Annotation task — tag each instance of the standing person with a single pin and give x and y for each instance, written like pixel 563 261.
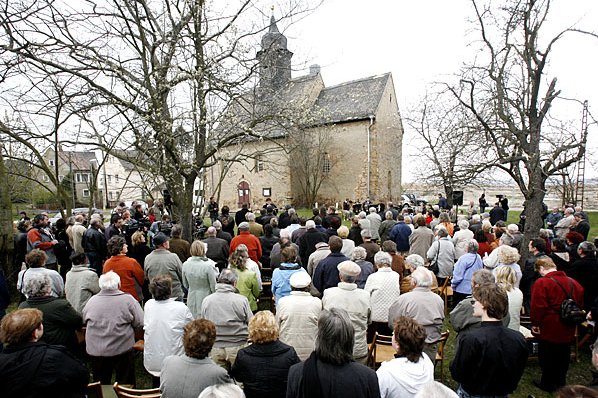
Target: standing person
pixel 163 322
pixel 330 371
pixel 231 314
pixel 81 283
pixel 228 222
pixel 405 375
pixel 297 315
pixel 263 366
pixel 423 305
pixel 112 318
pixel 246 283
pixel 353 300
pixel 177 245
pixel 326 274
pixel 187 375
pixel 504 203
pixel 467 264
pixel 553 218
pixel 199 277
pixel 240 214
pixel 442 253
pixel 384 289
pixel 35 261
pixel 217 249
pixel 375 222
pixel 461 238
pixel 40 237
pixel 369 245
pixel 162 262
pixel 94 245
pixel 585 271
pixel 128 269
pixel 497 214
pixel 505 278
pixel 442 202
pixel 116 226
pixel 421 238
pixel 386 226
pixel 483 203
pixel 60 318
pixel 490 360
pixel 281 276
pixel 213 209
pixel 76 233
pixel 29 367
pixel 400 234
pixel 251 241
pixel 63 249
pixel 268 240
pixel 554 336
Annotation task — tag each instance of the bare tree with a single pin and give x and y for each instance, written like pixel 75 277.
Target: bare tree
pixel 159 74
pixel 508 92
pixel 452 150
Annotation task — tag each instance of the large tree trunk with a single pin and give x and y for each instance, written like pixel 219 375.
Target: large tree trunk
pixel 533 209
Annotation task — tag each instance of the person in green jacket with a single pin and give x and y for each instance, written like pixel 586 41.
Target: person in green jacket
pixel 247 280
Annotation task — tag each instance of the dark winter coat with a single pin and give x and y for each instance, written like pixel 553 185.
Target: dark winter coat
pixel 263 369
pixel 34 370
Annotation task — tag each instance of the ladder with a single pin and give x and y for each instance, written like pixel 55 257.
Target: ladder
pixel 581 166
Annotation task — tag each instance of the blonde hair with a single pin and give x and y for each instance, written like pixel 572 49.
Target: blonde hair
pixel 505 278
pixel 263 328
pixel 508 255
pixel 136 238
pixel 343 231
pixel 198 249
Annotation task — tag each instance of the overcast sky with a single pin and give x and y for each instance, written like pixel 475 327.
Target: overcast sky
pixel 425 41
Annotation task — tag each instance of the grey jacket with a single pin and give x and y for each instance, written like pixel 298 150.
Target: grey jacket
pixel 160 262
pixel 423 305
pixel 445 251
pixel 81 284
pixel 186 377
pixel 230 312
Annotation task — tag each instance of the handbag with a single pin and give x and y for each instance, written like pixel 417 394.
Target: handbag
pixel 434 264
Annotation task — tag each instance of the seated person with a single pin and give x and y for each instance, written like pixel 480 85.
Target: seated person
pixel 31 368
pixel 188 375
pixel 411 370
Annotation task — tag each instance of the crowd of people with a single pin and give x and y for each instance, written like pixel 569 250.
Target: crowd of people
pixel 286 306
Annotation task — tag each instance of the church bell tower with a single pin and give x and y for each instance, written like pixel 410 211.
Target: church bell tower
pixel 274 59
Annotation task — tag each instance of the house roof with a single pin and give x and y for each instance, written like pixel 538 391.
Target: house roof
pixel 354 100
pixel 80 160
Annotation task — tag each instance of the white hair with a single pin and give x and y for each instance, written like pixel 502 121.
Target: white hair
pixel 422 277
pixel 229 390
pixel 310 224
pixel 512 228
pixel 361 214
pixel 463 224
pixel 284 233
pixel 434 389
pixel 359 253
pixel 475 217
pixel 383 258
pixel 372 209
pixel 109 281
pixel 250 216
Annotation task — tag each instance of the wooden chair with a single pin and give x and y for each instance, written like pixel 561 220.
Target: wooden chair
pixel 127 392
pixel 446 291
pixel 94 390
pixel 440 353
pixel 380 350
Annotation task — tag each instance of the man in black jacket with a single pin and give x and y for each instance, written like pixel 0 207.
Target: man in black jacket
pixel 94 245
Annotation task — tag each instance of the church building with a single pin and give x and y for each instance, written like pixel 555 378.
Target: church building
pixel 326 144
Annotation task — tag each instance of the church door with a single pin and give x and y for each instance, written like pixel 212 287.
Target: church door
pixel 244 193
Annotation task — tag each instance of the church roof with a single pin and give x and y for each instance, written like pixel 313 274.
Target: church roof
pixel 353 100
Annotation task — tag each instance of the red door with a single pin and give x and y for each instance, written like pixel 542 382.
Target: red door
pixel 244 193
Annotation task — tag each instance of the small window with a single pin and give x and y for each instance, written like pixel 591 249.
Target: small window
pixel 267 192
pixel 111 195
pixel 60 178
pixel 86 193
pixel 109 179
pixel 326 166
pixel 51 162
pixel 116 178
pixel 259 163
pixel 45 178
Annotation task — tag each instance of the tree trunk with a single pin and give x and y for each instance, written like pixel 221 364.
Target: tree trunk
pixel 533 211
pixel 6 229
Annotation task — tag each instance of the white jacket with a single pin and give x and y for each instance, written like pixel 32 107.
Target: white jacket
pixel 402 378
pixel 297 315
pixel 384 287
pixel 357 303
pixel 163 324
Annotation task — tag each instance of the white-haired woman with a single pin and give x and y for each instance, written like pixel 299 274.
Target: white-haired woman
pixel 508 257
pixel 367 268
pixel 462 237
pixel 112 318
pixel 467 264
pixel 384 289
pixel 348 244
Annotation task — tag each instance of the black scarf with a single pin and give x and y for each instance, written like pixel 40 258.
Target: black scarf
pixel 311 386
